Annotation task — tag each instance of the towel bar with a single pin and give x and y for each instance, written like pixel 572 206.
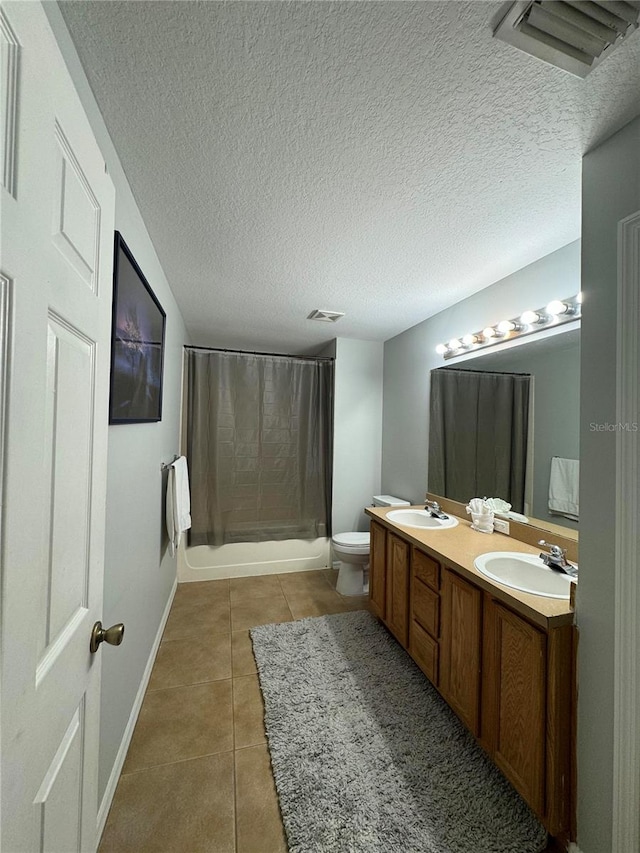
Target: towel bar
pixel 164 466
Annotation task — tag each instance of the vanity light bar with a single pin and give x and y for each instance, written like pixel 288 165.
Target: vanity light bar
pixel 556 313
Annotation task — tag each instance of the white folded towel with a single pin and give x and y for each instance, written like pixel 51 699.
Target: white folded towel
pixel 497 505
pixel 481 515
pixel 564 487
pixel 478 506
pixel 178 503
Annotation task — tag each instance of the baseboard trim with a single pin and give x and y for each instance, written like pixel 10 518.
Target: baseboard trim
pixel 110 790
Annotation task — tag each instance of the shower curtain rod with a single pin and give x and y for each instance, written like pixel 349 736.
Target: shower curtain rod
pixel 253 352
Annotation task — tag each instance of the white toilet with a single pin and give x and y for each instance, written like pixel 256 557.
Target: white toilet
pixel 351 551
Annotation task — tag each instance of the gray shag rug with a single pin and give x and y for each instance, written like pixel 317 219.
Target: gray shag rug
pixel 367 757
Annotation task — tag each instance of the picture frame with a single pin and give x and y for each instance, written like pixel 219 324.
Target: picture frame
pixel 137 343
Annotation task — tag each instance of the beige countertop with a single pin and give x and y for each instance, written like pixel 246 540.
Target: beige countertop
pixel 459 546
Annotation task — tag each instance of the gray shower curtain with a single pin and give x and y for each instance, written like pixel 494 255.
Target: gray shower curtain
pixel 259 447
pixel 478 431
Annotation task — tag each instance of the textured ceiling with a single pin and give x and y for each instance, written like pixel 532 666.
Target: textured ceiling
pixel 382 159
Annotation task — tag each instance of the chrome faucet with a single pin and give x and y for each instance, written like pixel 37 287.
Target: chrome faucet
pixel 556 559
pixel 434 509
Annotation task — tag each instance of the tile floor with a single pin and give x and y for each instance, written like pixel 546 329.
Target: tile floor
pixel 197 776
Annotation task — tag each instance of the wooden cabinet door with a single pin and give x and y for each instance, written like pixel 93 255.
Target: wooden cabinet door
pixel 514 700
pixel 397 618
pixel 377 570
pixel 461 648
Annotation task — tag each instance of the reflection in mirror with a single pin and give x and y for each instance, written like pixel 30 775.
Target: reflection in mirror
pixel 466 461
pixel 476 436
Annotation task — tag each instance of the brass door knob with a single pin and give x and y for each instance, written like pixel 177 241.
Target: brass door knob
pixel 112 635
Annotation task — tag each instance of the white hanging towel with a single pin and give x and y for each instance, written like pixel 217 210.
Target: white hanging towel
pixel 563 487
pixel 178 505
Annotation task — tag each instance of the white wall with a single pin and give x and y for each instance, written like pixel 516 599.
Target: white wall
pixel 357 449
pixel 410 356
pixel 139 573
pixel 610 192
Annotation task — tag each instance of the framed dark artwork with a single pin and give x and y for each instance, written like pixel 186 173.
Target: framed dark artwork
pixel 137 343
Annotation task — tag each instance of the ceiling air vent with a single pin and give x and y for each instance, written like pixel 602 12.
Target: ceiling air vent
pixel 574 36
pixel 325 316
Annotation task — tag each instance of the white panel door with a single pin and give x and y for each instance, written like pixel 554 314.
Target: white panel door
pixel 55 309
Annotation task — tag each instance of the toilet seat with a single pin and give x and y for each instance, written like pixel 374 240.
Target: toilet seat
pixel 352 543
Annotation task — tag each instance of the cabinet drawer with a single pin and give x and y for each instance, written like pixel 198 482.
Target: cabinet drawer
pixel 425 568
pixel 424 651
pixel 425 607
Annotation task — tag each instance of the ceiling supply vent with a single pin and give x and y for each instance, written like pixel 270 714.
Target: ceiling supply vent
pixel 574 36
pixel 325 316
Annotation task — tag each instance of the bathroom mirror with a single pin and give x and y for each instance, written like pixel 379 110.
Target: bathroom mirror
pixel 553 363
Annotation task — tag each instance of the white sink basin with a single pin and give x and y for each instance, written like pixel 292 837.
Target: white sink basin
pixel 420 518
pixel 525 572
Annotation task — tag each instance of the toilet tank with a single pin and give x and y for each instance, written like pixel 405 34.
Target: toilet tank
pixel 389 500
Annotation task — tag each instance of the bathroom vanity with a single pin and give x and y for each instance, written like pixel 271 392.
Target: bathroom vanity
pixel 502 659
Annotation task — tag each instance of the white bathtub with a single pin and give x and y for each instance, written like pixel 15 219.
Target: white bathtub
pixel 243 559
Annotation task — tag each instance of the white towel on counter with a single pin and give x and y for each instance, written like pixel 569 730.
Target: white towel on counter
pixel 563 487
pixel 178 504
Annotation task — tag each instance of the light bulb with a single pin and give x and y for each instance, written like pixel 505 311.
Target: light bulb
pixel 469 340
pixel 531 317
pixel 489 333
pixel 454 344
pixel 441 349
pixel 505 326
pixel 556 308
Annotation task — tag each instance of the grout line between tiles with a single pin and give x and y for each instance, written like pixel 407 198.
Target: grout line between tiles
pixel 234 786
pixel 190 684
pixel 233 714
pixel 204 680
pixel 235 777
pixel 234 794
pixel 195 684
pixel 252 746
pixel 293 591
pixel 179 761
